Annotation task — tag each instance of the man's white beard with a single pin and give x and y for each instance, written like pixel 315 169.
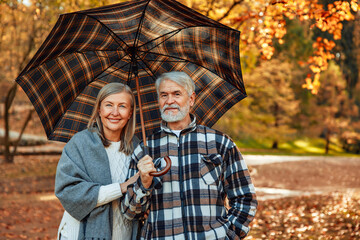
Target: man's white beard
pixel 175 117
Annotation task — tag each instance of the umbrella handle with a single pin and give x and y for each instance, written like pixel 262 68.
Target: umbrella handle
pixel 165 170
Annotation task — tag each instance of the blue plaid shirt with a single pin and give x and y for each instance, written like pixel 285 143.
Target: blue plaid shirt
pixel 207 194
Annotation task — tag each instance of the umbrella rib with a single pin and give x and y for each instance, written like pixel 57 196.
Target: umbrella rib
pixel 173 33
pixel 115 37
pixel 151 74
pixel 164 55
pixel 181 59
pixel 139 56
pixel 110 67
pixel 136 40
pixel 179 30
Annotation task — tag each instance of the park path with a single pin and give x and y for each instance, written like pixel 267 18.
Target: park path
pixel 253 160
pixel 266 193
pixel 28 137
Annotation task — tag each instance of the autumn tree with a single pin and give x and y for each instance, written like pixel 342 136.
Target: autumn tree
pixel 19 36
pixel 25 26
pixel 263 22
pixel 356 52
pixel 331 111
pixel 311 117
pixel 268 110
pixel 346 52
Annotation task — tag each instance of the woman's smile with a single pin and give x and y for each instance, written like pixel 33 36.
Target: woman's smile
pixel 115 111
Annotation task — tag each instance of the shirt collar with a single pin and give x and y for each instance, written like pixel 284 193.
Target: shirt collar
pixel 189 128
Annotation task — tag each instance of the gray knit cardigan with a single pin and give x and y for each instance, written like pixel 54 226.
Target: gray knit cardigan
pixel 82 169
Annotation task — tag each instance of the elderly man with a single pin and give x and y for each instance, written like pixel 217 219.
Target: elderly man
pixel 190 201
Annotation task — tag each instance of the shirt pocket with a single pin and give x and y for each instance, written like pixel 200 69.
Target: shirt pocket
pixel 210 168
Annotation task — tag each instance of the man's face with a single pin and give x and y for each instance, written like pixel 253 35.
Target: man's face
pixel 174 101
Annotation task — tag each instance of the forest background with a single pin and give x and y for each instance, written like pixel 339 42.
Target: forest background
pixel 300 62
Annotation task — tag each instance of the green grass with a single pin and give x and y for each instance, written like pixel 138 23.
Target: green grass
pixel 303 146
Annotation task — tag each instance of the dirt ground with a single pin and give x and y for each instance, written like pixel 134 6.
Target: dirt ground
pixel 29 210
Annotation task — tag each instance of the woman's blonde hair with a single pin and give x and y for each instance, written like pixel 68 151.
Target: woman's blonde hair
pixel 95 124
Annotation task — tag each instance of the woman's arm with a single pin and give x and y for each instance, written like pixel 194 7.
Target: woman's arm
pixel 111 192
pixel 131 180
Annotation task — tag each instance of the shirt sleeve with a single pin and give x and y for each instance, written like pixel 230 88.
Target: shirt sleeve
pixel 108 193
pixel 240 192
pixel 137 199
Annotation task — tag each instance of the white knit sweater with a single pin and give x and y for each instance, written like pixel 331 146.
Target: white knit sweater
pixel 122 228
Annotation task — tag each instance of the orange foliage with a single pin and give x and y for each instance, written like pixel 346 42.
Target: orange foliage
pixel 267 21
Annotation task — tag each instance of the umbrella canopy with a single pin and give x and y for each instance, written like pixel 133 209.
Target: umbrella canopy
pixel 123 42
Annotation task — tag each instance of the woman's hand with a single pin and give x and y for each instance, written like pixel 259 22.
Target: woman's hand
pixel 131 180
pixel 145 167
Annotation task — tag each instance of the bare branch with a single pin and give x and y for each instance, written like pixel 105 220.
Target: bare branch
pixel 210 8
pixel 235 3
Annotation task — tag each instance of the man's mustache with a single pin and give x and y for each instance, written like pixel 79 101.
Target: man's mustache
pixel 170 106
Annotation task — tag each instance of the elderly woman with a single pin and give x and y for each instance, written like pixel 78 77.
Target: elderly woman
pixel 91 173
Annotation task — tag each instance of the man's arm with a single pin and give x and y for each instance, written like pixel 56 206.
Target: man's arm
pixel 240 192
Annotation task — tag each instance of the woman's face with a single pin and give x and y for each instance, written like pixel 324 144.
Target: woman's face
pixel 115 111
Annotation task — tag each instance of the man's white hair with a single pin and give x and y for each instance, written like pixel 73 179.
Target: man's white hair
pixel 180 78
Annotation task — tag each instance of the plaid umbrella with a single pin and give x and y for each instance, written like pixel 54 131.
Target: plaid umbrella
pixel 135 40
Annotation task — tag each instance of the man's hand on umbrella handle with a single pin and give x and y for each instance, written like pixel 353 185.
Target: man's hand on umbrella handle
pixel 145 167
pixel 165 170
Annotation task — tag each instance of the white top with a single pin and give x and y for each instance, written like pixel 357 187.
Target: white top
pixel 177 132
pixel 122 228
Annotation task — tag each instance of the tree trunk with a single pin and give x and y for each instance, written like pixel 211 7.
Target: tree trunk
pixel 276 124
pixel 9 158
pixel 28 119
pixel 327 144
pixel 275 145
pixel 7 155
